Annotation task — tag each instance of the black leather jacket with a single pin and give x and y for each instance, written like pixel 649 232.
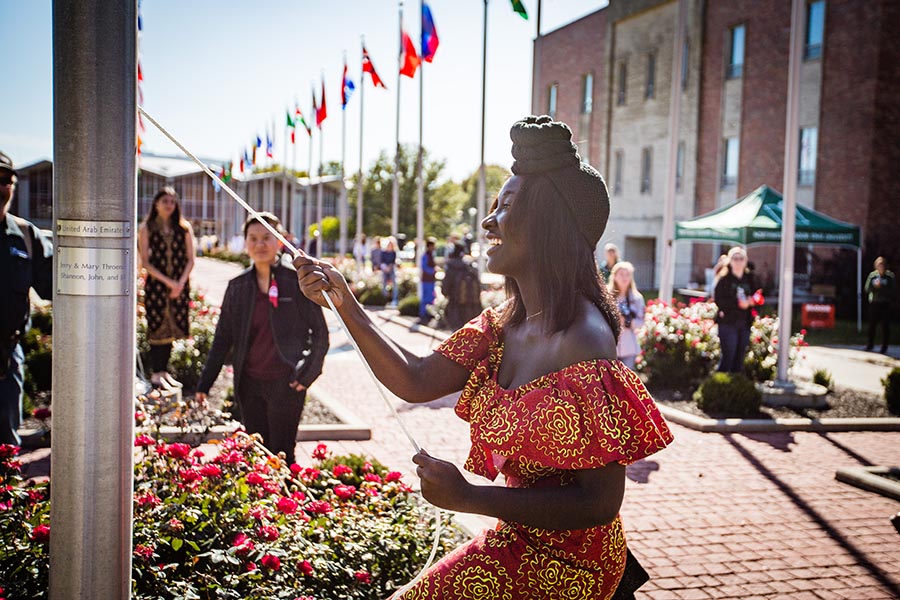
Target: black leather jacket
pixel 298 328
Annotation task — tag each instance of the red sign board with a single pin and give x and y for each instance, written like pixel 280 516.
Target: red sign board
pixel 817 316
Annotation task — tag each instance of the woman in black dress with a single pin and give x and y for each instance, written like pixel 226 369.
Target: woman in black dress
pixel 166 246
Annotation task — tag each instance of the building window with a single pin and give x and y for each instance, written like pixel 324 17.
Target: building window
pixel 809 139
pixel 685 62
pixel 587 94
pixel 623 74
pixel 736 53
pixel 679 167
pixel 650 89
pixel 646 169
pixel 617 185
pixel 815 26
pixel 551 100
pixel 730 164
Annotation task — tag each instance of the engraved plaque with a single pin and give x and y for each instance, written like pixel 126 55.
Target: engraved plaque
pixel 93 271
pixel 96 229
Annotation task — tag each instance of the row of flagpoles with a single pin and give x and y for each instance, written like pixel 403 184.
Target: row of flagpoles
pixel 409 61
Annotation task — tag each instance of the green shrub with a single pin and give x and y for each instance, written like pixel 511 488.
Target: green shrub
pixel 891 383
pixel 409 306
pixel 373 296
pixel 823 377
pixel 728 393
pixel 38 349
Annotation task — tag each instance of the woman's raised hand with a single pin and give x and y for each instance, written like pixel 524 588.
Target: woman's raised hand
pixel 317 277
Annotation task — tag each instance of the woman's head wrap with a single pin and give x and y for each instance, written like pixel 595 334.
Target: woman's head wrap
pixel 543 147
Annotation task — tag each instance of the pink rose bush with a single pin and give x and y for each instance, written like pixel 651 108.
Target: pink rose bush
pixel 240 524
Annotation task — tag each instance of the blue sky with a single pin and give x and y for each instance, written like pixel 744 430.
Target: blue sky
pixel 216 72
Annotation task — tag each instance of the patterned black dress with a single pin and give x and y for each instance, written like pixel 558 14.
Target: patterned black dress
pixel 167 318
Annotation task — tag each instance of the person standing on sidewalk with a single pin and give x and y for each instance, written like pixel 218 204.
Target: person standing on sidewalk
pixel 735 297
pixel 880 290
pixel 631 311
pixel 429 272
pixel 549 405
pixel 166 246
pixel 26 263
pixel 389 270
pixel 276 337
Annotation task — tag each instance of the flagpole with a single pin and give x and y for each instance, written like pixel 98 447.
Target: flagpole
pixel 667 272
pixel 321 189
pixel 395 190
pixel 789 209
pixel 536 65
pixel 293 178
pixel 307 197
pixel 359 178
pixel 344 212
pixel 479 234
pixel 284 183
pixel 420 184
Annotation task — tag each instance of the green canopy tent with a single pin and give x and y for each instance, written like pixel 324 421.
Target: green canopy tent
pixel 756 219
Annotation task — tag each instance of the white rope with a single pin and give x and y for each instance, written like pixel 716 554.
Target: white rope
pixel 297 252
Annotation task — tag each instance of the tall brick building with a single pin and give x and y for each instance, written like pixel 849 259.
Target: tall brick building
pixel 609 75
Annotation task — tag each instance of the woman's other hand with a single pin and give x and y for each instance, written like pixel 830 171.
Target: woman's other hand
pixel 442 483
pixel 317 277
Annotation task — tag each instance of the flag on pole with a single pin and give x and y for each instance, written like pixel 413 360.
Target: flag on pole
pixel 242 165
pixel 369 68
pixel 300 118
pixel 347 88
pixel 409 60
pixel 258 141
pixel 429 34
pixel 270 145
pixel 519 8
pixel 247 157
pixel 292 126
pixel 253 162
pixel 321 109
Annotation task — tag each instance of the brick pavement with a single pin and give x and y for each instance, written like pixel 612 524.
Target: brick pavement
pixel 713 516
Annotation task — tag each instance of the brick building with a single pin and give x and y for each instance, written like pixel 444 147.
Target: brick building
pixel 734 80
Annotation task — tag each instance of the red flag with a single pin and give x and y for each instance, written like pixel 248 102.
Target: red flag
pixel 321 109
pixel 369 68
pixel 409 60
pixel 242 165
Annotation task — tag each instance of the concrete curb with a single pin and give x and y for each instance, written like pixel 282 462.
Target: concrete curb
pixel 867 478
pixel 775 425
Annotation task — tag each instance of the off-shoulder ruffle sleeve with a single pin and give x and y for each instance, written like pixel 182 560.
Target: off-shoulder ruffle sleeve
pixel 582 417
pixel 470 344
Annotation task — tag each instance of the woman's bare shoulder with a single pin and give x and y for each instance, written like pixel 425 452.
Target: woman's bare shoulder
pixel 589 337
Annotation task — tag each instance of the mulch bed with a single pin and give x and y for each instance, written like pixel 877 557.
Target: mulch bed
pixel 842 403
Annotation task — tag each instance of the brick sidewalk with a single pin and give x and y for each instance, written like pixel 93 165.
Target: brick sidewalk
pixel 713 516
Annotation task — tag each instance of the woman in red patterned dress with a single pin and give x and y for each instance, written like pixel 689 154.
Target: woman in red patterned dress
pixel 549 406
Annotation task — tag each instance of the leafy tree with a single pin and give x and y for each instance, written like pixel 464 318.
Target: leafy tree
pixel 440 200
pixel 331 229
pixel 494 178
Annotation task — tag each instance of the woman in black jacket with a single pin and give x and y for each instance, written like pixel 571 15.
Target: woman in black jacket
pixel 734 297
pixel 277 337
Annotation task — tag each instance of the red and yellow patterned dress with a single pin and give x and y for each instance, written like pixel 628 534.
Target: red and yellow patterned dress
pixel 583 416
